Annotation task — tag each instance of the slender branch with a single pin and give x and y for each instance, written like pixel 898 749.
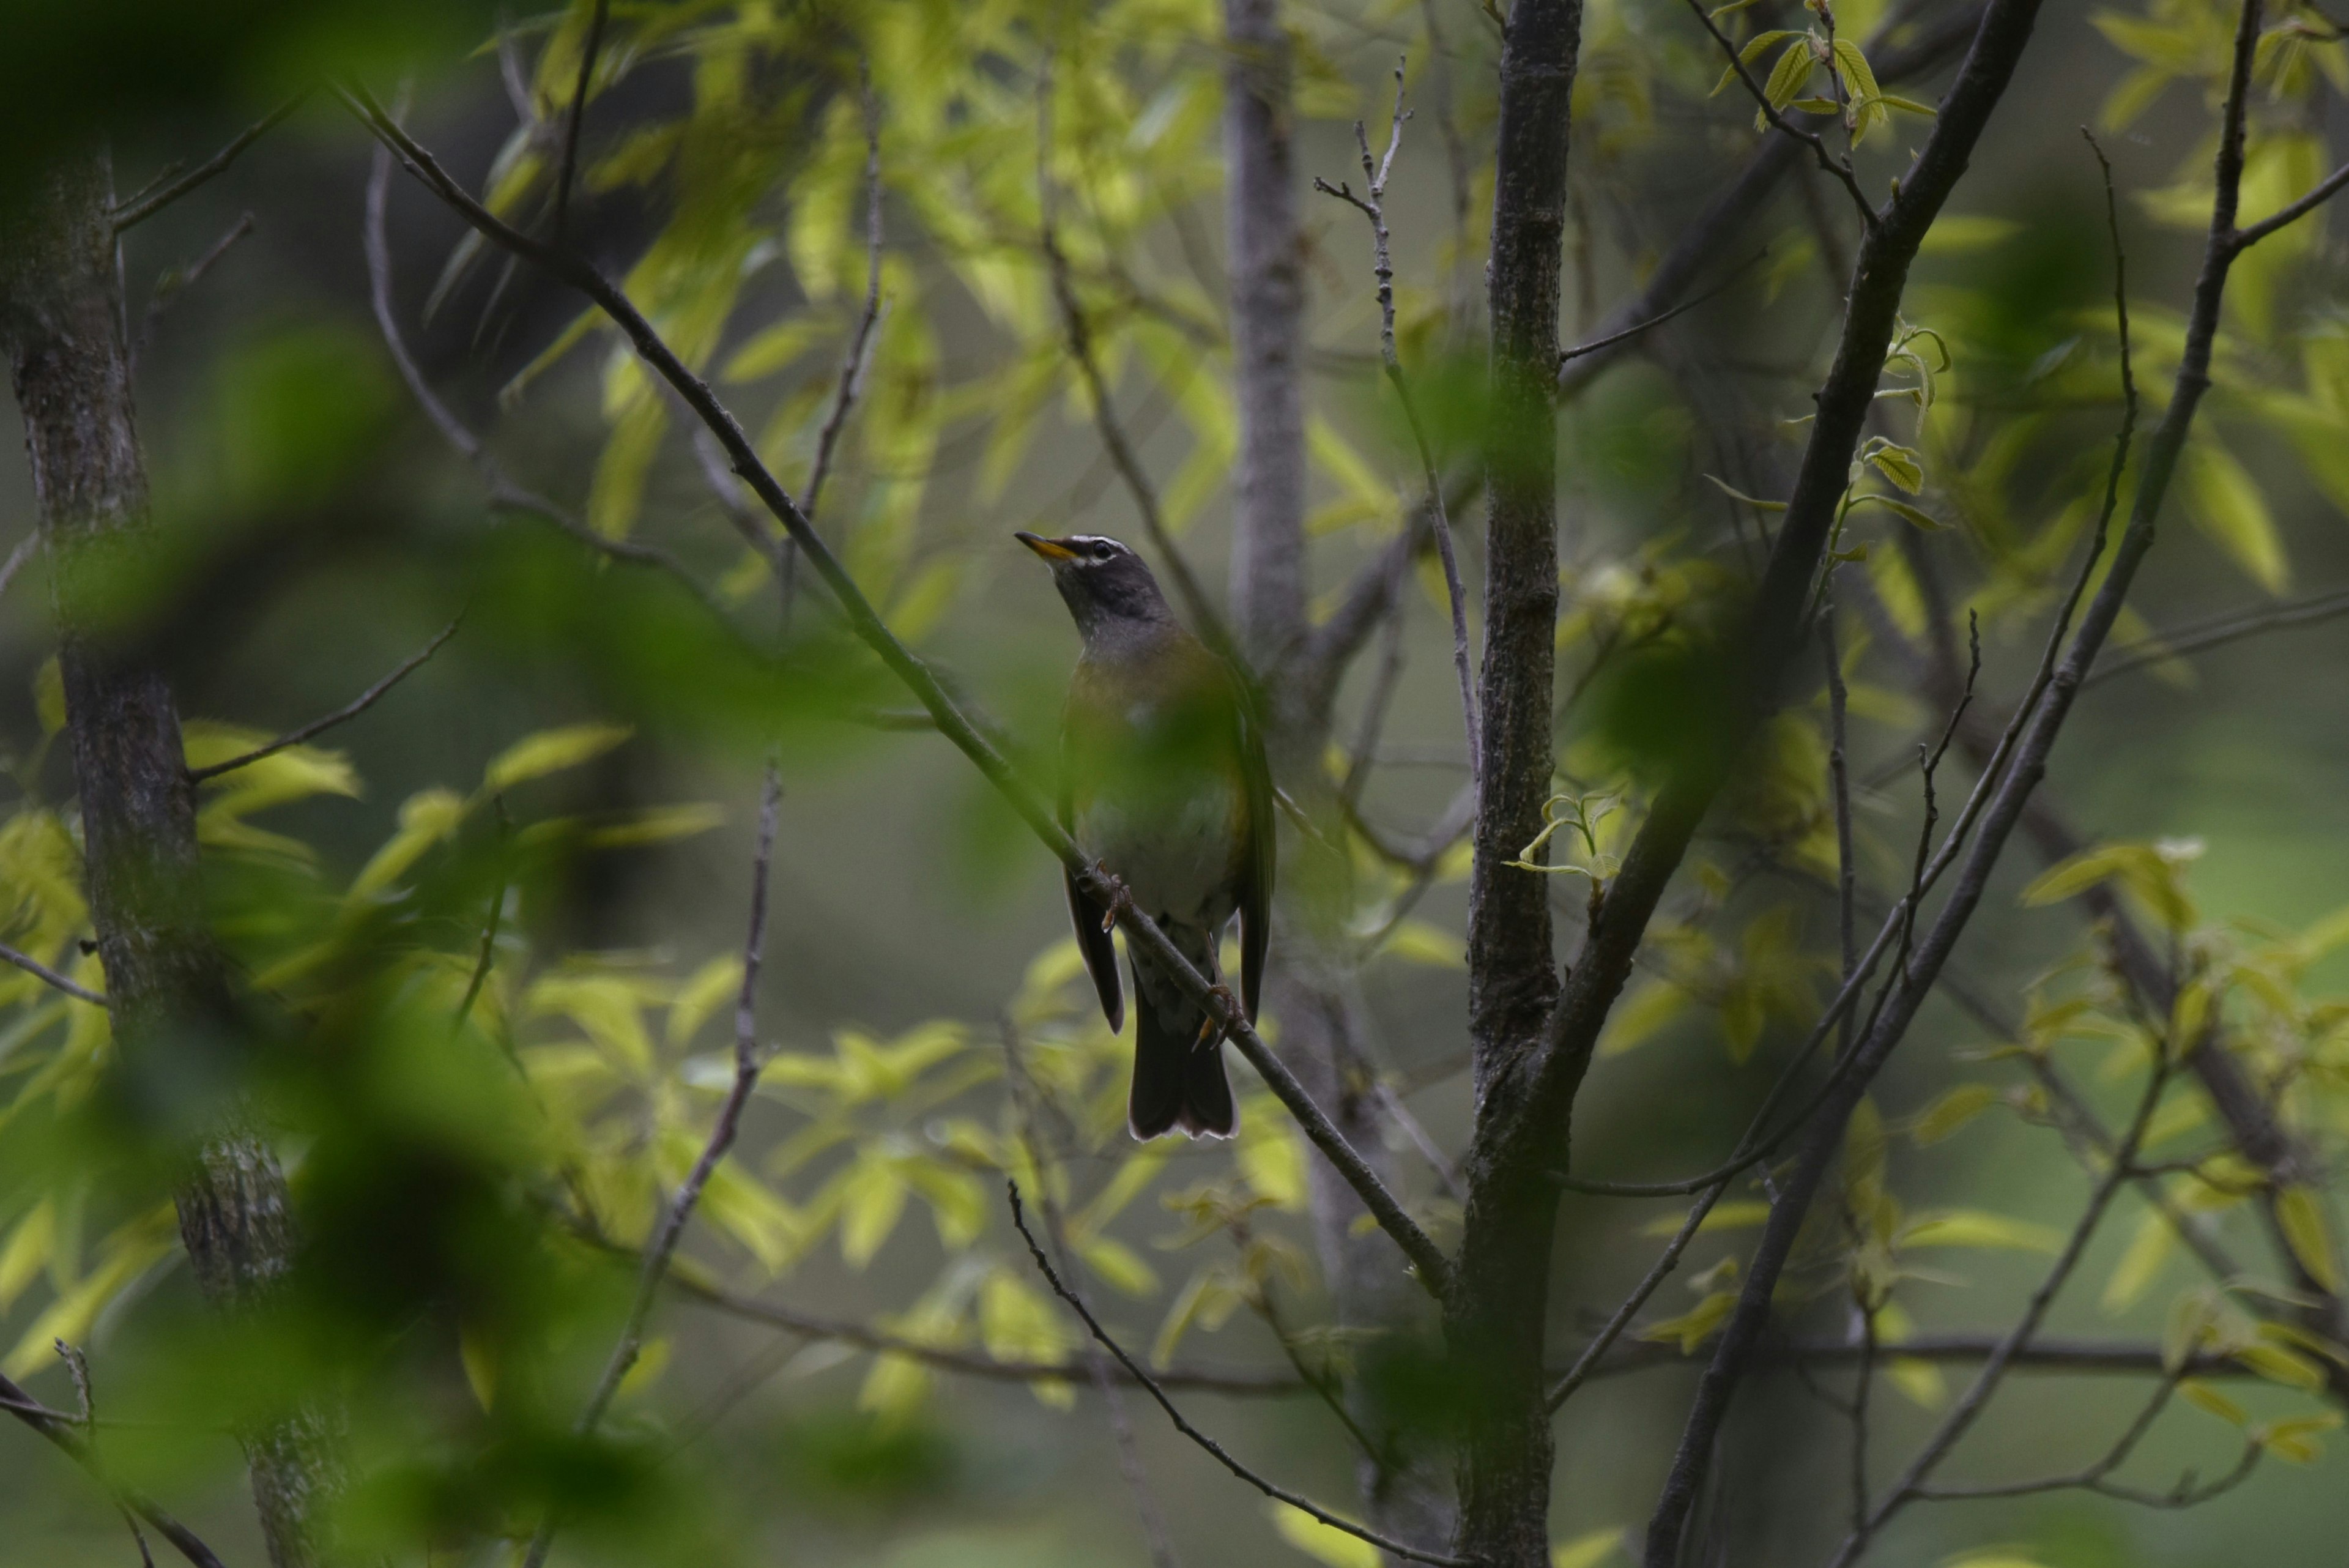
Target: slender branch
pixel 1604 1340
pixel 180 279
pixel 26 548
pixel 1142 933
pixel 2164 646
pixel 1134 1368
pixel 2326 188
pixel 747 1062
pixel 1839 169
pixel 343 715
pixel 851 364
pixel 2185 1494
pixel 36 968
pixel 578 115
pixel 1839 785
pixel 504 493
pixel 67 1435
pixel 1025 1095
pixel 1739 200
pixel 1962 1415
pixel 1371 204
pixel 1613 339
pixel 171 185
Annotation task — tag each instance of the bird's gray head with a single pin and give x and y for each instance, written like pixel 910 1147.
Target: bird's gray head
pixel 1105 582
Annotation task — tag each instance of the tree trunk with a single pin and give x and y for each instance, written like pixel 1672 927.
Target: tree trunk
pixel 1268 288
pixel 1500 1298
pixel 173 1022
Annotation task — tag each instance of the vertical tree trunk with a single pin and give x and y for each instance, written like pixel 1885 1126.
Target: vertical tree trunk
pixel 1267 286
pixel 61 320
pixel 1403 1492
pixel 1494 1320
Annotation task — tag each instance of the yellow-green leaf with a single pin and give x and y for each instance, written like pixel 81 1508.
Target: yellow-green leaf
pixel 551 752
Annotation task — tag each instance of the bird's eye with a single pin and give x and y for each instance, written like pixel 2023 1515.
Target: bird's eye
pixel 1103 550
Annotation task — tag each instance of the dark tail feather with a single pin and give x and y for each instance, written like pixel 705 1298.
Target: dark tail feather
pixel 1179 1081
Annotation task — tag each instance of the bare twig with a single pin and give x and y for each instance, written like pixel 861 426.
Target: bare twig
pixel 316 727
pixel 1025 1095
pixel 1303 1505
pixel 570 169
pixel 180 279
pixel 1839 785
pixel 1969 1406
pixel 67 1435
pixel 36 968
pixel 1428 1261
pixel 172 184
pixel 2094 1478
pixel 2164 646
pixel 747 1062
pixel 26 548
pixel 1372 205
pixel 851 364
pixel 1600 345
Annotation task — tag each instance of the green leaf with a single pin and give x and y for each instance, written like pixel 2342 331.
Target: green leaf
pixel 1319 1542
pixel 1694 1327
pixel 1953 1110
pixel 2293 1440
pixel 1119 1266
pixel 1789 75
pixel 1416 941
pixel 1735 494
pixel 551 752
pixel 1978 1228
pixel 2301 1217
pixel 2141 1261
pixel 1587 1551
pixel 2203 1396
pixel 425 819
pixel 2227 504
pixel 1731 1216
pixel 2277 1365
pixel 872 1198
pixel 1902 465
pixel 1954 233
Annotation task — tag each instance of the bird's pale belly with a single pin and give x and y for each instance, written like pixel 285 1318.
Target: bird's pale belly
pixel 1173 850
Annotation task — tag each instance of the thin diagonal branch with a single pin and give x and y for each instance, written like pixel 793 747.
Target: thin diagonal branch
pixel 62 1430
pixel 171 185
pixel 747 1062
pixel 26 548
pixel 1371 204
pixel 180 279
pixel 40 970
pixel 851 364
pixel 2164 646
pixel 570 169
pixel 343 715
pixel 2326 188
pixel 1427 1260
pixel 1612 340
pixel 1134 1368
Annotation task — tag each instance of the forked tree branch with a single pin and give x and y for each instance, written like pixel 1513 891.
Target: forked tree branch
pixel 172 184
pixel 352 709
pixel 1133 1369
pixel 864 620
pixel 70 1439
pixel 40 970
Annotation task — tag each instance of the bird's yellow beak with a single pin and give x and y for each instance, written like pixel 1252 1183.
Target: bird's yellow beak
pixel 1051 549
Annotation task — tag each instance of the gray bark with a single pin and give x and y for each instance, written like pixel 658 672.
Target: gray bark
pixel 1268 298
pixel 1499 1303
pixel 173 1021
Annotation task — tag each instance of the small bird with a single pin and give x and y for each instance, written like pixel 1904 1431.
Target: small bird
pixel 1162 776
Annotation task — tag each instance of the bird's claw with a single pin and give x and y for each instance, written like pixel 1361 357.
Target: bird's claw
pixel 1120 899
pixel 1212 1031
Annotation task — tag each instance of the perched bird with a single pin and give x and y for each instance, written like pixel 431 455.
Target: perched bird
pixel 1162 776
